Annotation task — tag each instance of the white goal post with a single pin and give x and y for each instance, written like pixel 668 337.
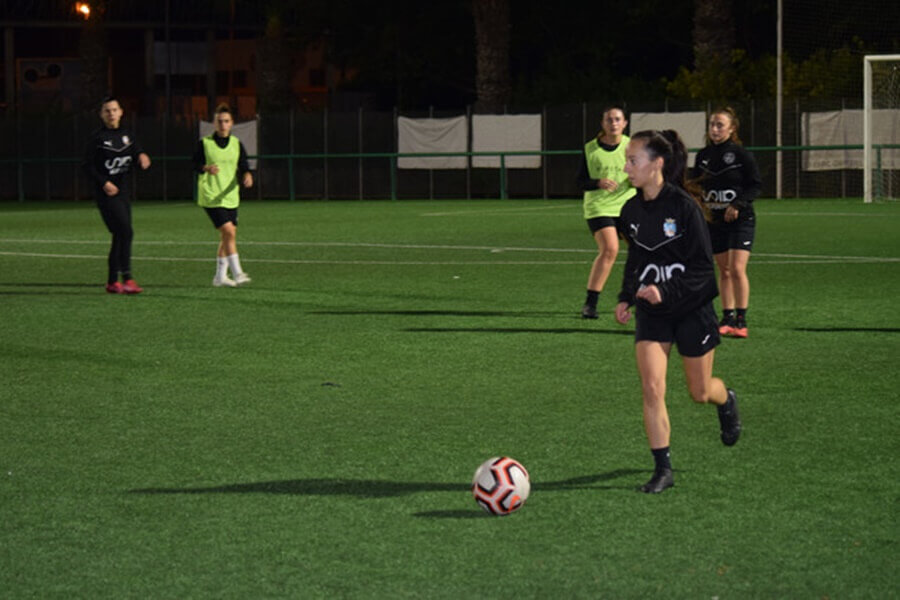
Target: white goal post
pixel 869 90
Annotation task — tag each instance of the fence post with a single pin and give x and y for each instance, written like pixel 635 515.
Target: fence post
pixel 20 175
pixel 544 147
pixel 797 143
pixel 291 154
pixel 468 152
pixel 325 154
pixel 503 176
pixel 359 137
pixel 393 163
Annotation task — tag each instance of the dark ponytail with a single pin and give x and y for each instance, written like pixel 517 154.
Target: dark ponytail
pixel 669 145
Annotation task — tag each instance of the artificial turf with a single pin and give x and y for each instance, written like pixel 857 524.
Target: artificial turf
pixel 314 433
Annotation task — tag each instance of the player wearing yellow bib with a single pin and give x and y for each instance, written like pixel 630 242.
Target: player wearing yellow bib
pixel 606 189
pixel 221 162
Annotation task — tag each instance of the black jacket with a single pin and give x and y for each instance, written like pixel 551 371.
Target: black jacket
pixel 668 245
pixel 109 156
pixel 729 176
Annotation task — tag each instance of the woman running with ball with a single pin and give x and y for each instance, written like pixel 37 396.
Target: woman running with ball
pixel 606 188
pixel 670 281
pixel 221 161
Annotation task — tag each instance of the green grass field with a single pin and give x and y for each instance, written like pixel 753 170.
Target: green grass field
pixel 313 434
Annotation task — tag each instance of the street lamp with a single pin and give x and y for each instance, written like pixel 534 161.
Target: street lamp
pixel 83 9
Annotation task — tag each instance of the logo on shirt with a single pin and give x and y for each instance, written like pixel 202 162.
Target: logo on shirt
pixel 125 139
pixel 669 228
pixel 721 197
pixel 728 157
pixel 660 273
pixel 117 165
pixel 107 142
pixel 634 228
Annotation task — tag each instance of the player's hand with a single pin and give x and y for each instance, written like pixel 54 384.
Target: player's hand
pixel 144 161
pixel 110 189
pixel 607 184
pixel 731 213
pixel 623 314
pixel 649 294
pixel 212 169
pixel 248 180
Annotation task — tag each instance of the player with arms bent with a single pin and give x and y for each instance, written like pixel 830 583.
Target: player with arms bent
pixel 221 161
pixel 670 280
pixel 107 161
pixel 606 189
pixel 730 180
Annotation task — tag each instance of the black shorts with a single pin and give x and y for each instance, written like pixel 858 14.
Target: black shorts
pixel 695 334
pixel 737 235
pixel 219 216
pixel 595 224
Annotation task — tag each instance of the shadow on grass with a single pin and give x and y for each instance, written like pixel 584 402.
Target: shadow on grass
pixel 50 289
pixel 557 330
pixel 437 313
pixel 848 329
pixel 375 488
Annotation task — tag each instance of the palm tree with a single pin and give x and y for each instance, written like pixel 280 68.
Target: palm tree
pixel 492 78
pixel 713 33
pixel 274 74
pixel 93 49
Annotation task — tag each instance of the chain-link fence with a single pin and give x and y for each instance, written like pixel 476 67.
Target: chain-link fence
pixel 352 155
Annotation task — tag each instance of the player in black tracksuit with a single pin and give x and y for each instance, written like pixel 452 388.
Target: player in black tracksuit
pixel 670 280
pixel 730 180
pixel 108 158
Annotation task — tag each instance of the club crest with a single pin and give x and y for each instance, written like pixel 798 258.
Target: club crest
pixel 669 228
pixel 125 139
pixel 728 157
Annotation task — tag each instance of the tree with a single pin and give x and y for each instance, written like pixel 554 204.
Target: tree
pixel 713 33
pixel 492 80
pixel 93 50
pixel 274 75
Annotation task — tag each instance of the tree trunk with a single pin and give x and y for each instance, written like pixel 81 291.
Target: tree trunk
pixel 713 33
pixel 93 49
pixel 274 85
pixel 492 79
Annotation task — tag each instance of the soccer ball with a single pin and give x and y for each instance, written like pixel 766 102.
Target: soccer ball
pixel 501 485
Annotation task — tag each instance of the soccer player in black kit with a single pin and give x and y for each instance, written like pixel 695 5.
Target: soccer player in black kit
pixel 730 180
pixel 670 281
pixel 110 153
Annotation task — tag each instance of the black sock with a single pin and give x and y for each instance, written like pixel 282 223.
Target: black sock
pixel 728 314
pixel 661 456
pixel 742 314
pixel 592 298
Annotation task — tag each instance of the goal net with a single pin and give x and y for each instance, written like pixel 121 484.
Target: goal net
pixel 881 127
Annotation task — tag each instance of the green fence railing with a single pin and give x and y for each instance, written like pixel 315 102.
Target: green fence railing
pixel 393 157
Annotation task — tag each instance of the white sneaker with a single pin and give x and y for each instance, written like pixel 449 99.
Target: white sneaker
pixel 224 282
pixel 241 279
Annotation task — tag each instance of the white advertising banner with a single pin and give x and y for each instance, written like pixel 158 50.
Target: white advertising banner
pixel 432 135
pixel 507 133
pixel 845 128
pixel 691 126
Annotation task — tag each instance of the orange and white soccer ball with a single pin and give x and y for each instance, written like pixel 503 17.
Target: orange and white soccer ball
pixel 501 485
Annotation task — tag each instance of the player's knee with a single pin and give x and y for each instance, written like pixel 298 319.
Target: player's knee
pixel 654 391
pixel 699 393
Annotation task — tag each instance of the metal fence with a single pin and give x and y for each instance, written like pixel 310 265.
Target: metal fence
pixel 352 155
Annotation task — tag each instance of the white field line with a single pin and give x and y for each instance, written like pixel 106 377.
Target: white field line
pixel 492 249
pixel 760 258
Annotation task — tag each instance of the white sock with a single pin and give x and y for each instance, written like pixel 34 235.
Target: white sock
pixel 221 267
pixel 235 263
